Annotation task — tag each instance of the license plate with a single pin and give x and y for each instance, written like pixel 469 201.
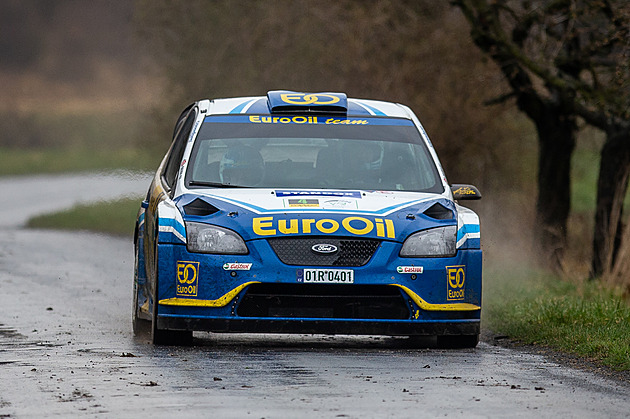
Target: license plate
pixel 325 276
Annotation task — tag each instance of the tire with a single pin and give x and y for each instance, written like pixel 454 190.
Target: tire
pixel 457 341
pixel 140 326
pixel 171 337
pixel 165 336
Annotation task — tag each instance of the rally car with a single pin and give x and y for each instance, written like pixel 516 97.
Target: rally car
pixel 305 213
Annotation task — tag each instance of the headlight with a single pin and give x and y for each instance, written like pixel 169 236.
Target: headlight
pixel 205 238
pixel 434 242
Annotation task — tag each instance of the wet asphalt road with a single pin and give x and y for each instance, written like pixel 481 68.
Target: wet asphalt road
pixel 66 347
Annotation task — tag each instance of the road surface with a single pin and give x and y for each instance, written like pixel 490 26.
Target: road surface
pixel 66 347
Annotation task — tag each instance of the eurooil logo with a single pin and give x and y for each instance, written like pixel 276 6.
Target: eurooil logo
pixel 360 226
pixel 309 98
pixel 187 278
pixel 455 280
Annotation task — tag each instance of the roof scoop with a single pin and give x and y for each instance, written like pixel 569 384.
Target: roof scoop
pixel 284 101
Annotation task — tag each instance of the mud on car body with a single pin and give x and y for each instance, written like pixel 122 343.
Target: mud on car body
pixel 305 213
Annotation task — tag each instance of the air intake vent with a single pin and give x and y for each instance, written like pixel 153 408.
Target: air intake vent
pixel 323 301
pixel 439 212
pixel 200 208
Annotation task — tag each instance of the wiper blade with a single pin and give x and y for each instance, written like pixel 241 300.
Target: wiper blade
pixel 213 184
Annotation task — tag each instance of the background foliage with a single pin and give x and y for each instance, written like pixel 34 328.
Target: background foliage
pixel 102 82
pixel 414 52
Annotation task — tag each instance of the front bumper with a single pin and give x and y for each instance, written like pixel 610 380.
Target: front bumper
pixel 311 326
pixel 424 303
pixel 215 293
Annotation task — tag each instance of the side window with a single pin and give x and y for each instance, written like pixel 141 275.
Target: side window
pixel 177 150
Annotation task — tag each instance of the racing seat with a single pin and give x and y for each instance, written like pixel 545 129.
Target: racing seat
pixel 397 168
pixel 328 167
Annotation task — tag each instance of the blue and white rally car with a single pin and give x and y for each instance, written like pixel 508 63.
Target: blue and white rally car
pixel 305 213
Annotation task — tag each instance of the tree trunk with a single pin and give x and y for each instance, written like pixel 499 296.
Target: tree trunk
pixel 611 189
pixel 555 123
pixel 556 142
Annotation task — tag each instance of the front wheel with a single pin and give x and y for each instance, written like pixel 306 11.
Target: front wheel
pixel 165 336
pixel 140 326
pixel 171 337
pixel 457 341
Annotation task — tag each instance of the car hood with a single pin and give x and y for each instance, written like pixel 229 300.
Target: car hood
pixel 265 213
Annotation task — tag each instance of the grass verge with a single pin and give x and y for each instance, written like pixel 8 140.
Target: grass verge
pixel 115 217
pixel 17 161
pixel 45 140
pixel 580 318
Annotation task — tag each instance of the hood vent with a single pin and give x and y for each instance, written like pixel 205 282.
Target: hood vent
pixel 439 212
pixel 200 208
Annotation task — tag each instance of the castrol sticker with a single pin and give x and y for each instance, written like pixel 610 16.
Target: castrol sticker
pixel 237 266
pixel 409 269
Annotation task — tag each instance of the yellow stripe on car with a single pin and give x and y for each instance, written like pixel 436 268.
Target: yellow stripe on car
pixel 219 302
pixel 225 299
pixel 436 307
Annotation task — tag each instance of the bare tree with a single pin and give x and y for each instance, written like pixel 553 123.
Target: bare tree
pixel 566 59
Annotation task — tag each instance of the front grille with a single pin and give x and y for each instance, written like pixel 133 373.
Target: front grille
pixel 324 301
pixel 298 251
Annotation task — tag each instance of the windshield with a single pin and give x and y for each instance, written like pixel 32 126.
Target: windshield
pixel 311 152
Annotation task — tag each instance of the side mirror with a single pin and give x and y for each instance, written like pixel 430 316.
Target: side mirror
pixel 465 192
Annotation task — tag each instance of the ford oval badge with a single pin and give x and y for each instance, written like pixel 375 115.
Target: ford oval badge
pixel 324 248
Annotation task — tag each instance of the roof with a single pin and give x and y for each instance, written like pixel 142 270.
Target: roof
pixel 281 101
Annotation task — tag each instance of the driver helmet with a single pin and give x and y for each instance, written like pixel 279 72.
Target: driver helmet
pixel 366 158
pixel 242 166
